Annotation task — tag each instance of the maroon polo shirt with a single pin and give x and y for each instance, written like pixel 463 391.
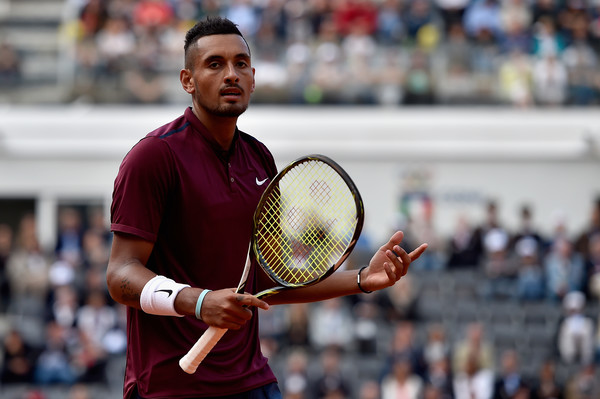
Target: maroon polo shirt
pixel 178 189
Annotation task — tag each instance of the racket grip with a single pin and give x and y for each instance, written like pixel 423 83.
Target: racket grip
pixel 189 363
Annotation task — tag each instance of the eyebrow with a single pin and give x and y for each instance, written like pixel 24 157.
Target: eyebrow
pixel 220 57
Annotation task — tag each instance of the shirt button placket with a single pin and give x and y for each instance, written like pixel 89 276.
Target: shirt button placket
pixel 231 179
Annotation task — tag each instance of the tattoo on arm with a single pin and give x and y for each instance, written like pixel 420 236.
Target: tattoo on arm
pixel 128 292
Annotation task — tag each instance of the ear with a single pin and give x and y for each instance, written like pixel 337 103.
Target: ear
pixel 253 81
pixel 187 80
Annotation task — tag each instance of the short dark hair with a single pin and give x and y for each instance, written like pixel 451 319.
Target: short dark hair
pixel 212 25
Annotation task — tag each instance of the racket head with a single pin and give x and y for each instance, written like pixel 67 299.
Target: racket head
pixel 307 222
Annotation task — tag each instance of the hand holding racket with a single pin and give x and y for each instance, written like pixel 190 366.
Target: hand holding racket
pixel 305 225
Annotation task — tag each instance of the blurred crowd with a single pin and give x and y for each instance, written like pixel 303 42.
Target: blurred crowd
pixel 59 325
pixel 389 52
pixel 393 351
pixel 61 328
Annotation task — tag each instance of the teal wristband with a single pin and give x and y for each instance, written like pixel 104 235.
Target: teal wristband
pixel 199 303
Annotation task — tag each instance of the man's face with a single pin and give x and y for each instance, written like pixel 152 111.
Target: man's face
pixel 221 78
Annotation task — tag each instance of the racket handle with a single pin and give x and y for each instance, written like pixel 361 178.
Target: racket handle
pixel 189 363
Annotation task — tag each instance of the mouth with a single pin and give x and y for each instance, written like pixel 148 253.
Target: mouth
pixel 231 92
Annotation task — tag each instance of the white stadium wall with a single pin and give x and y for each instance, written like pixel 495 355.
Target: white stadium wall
pixel 459 158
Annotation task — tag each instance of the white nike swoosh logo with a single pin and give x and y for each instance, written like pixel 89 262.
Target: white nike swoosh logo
pixel 260 182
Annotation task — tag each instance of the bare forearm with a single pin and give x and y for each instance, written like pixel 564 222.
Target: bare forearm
pixel 126 282
pixel 340 283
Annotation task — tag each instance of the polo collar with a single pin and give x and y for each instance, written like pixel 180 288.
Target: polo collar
pixel 200 128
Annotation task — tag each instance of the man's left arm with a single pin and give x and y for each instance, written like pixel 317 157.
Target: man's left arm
pixel 386 267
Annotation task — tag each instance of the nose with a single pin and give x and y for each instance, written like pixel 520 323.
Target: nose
pixel 231 75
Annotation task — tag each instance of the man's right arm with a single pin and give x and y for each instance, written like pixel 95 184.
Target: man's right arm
pixel 127 275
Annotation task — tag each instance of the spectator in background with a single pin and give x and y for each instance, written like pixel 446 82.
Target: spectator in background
pixel 456 84
pixel 404 345
pixel 464 246
pixel 564 269
pixel 440 376
pixel 116 44
pixel 581 61
pixel 575 336
pixel 298 331
pixel 27 268
pixel 473 345
pixel 389 81
pixel 64 306
pixel 511 383
pixel 483 16
pixel 55 364
pixel 6 246
pixel 244 15
pixel 474 381
pixel 515 77
pixel 550 80
pixel 69 240
pixel 369 389
pixel 294 382
pixel 583 384
pixel 18 359
pixel 593 227
pixel 436 346
pixel 421 16
pixel 593 267
pixel 391 27
pixel 545 9
pixel 366 315
pixel 92 17
pixel 348 13
pixel 527 229
pixel 273 328
pixel 401 382
pixel 530 273
pixel 597 341
pixel 331 324
pixel 359 49
pixel 152 14
pixel 452 12
pixel 10 65
pixel 422 229
pixel 499 267
pixel 331 382
pixel 96 318
pixel 547 385
pixel 401 302
pixel 419 84
pixel 546 39
pixel 515 15
pixel 143 77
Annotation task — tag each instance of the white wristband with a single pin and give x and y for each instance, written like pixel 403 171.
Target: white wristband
pixel 158 296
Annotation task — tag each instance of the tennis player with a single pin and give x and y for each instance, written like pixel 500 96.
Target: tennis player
pixel 182 212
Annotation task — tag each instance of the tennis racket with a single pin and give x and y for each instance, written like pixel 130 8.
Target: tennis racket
pixel 305 225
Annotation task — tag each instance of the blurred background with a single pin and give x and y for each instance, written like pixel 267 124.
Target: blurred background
pixel 472 125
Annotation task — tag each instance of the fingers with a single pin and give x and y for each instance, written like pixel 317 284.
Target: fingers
pixel 414 255
pixel 400 259
pixel 248 300
pixel 228 309
pixel 240 312
pixel 395 239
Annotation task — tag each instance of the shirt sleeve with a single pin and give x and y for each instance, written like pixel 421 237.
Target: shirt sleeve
pixel 141 189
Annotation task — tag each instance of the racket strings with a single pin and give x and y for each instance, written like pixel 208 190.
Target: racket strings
pixel 306 223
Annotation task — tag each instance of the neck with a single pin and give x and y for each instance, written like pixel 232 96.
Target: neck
pixel 222 128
